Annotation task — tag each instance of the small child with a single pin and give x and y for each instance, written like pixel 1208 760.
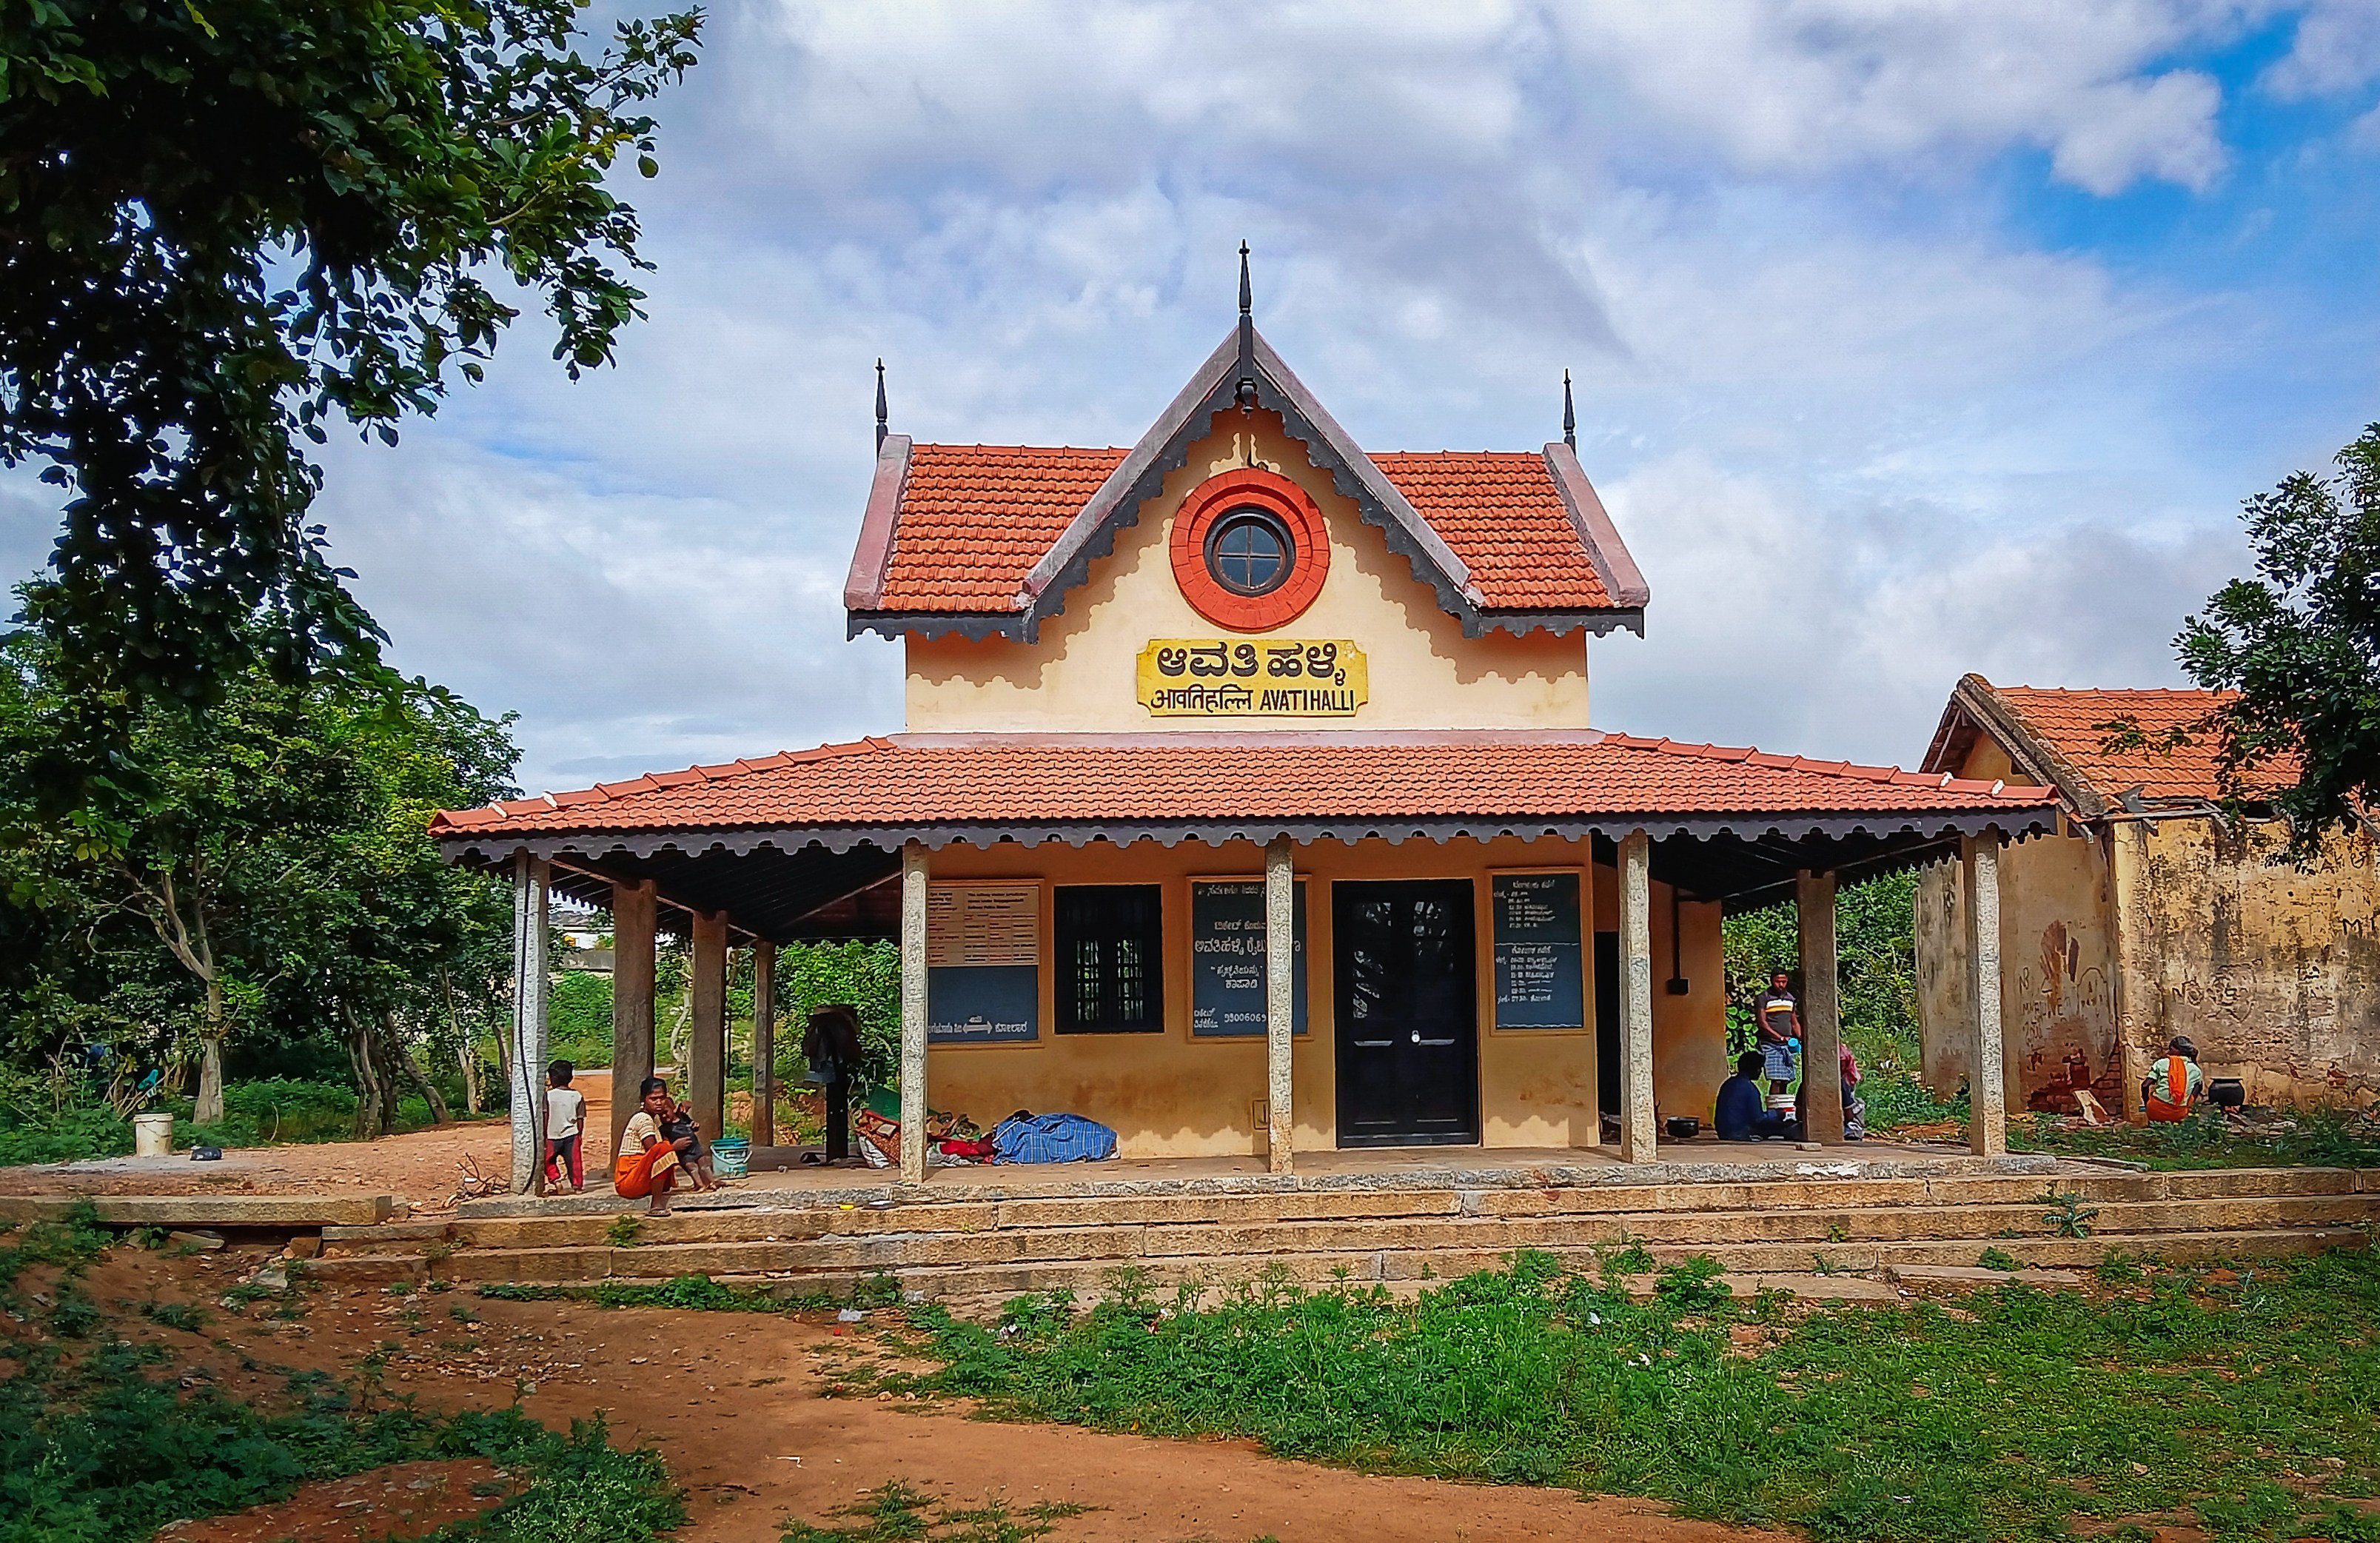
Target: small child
pixel 565 1126
pixel 680 1126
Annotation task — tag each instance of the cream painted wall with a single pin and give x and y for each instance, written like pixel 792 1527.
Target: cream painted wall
pixel 1079 676
pixel 1170 1095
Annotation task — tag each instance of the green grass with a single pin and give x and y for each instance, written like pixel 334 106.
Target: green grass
pixel 2322 1138
pixel 2244 1404
pixel 100 1440
pixel 897 1512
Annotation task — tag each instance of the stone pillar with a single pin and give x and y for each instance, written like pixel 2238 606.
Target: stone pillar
pixel 2139 1006
pixel 532 883
pixel 1281 1000
pixel 706 1054
pixel 635 909
pixel 764 1044
pixel 913 1012
pixel 1637 1139
pixel 1986 1092
pixel 1822 1009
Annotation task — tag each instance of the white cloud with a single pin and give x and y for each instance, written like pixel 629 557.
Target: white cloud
pixel 1949 450
pixel 2336 49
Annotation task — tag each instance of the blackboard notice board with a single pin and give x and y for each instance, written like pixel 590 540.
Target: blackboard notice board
pixel 983 963
pixel 1227 957
pixel 1540 973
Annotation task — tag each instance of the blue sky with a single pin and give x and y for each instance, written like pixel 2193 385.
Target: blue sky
pixel 1911 339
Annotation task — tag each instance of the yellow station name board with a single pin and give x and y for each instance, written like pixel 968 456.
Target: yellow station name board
pixel 1216 677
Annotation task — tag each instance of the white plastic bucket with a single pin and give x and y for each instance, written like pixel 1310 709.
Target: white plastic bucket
pixel 153 1135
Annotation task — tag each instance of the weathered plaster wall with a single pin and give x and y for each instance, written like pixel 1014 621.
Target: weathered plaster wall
pixel 1170 1095
pixel 1079 676
pixel 2273 970
pixel 2057 987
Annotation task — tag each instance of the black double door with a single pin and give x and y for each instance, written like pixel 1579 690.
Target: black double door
pixel 1407 1018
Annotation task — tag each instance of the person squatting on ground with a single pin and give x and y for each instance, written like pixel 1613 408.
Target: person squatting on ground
pixel 2175 1084
pixel 566 1127
pixel 1742 1113
pixel 647 1161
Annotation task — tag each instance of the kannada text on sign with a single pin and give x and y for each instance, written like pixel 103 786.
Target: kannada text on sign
pixel 1213 677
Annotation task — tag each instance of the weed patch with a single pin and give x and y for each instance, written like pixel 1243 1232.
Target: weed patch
pixel 91 1448
pixel 697 1293
pixel 897 1512
pixel 2315 1138
pixel 2008 1419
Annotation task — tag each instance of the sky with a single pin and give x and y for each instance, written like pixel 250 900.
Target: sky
pixel 1910 338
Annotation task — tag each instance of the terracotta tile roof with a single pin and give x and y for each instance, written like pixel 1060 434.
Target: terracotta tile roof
pixel 914 780
pixel 974 518
pixel 1502 515
pixel 2077 724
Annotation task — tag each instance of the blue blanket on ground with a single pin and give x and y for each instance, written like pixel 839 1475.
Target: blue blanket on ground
pixel 1052 1138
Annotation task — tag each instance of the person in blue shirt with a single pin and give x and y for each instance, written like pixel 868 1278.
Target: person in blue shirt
pixel 1743 1112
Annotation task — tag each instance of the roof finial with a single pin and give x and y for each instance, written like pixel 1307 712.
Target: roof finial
pixel 1570 415
pixel 881 417
pixel 1246 392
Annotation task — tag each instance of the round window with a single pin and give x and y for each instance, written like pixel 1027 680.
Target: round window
pixel 1250 552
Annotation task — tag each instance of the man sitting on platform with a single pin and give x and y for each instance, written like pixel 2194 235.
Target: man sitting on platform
pixel 1743 1112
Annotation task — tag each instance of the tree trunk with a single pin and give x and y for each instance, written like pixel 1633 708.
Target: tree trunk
pixel 402 1053
pixel 465 1050
pixel 369 1106
pixel 210 1111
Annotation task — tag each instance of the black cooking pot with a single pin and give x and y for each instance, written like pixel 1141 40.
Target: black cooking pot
pixel 2226 1092
pixel 1683 1127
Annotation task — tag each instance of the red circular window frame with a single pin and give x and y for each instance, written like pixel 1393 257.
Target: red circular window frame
pixel 1250 487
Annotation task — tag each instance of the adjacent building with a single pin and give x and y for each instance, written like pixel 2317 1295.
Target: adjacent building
pixel 2153 911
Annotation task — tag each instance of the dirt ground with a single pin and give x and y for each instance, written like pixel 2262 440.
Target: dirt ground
pixel 737 1404
pixel 424 1167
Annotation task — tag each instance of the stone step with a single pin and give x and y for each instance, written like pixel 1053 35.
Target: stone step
pixel 794 1221
pixel 1404 1270
pixel 267 1212
pixel 1797 1236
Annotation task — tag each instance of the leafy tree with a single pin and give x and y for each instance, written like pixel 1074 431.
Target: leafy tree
pixel 1876 967
pixel 227 226
pixel 2300 645
pixel 262 862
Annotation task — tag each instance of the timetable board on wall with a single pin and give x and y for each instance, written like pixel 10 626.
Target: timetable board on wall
pixel 983 963
pixel 1541 959
pixel 1228 986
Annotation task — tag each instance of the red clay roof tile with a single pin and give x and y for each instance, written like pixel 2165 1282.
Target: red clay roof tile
pixel 975 519
pixel 2178 759
pixel 1070 779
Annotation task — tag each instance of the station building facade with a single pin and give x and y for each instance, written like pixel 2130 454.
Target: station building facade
pixel 1248 802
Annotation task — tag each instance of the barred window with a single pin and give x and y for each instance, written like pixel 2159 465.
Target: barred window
pixel 1110 945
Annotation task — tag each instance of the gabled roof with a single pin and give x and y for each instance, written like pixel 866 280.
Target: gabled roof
pixel 986 541
pixel 2083 743
pixel 1214 787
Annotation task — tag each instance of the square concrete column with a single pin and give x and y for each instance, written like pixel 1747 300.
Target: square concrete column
pixel 706 1054
pixel 913 1012
pixel 1637 1141
pixel 764 1043
pixel 532 885
pixel 635 909
pixel 1979 871
pixel 1822 1009
pixel 1281 1000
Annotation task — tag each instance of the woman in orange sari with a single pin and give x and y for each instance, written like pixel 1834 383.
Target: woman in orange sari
pixel 647 1163
pixel 2171 1091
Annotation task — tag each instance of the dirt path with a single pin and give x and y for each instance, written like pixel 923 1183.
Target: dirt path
pixel 424 1167
pixel 736 1402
